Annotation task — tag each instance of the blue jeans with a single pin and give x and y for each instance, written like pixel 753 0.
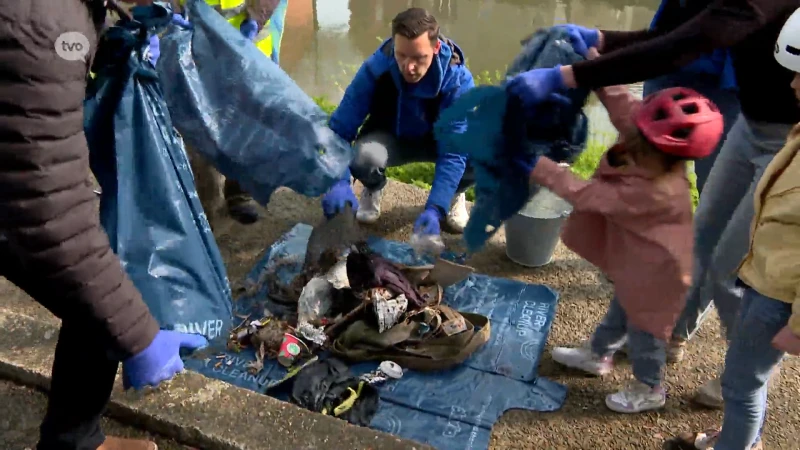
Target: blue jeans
pixel 647 354
pixel 750 361
pixel 726 100
pixel 722 222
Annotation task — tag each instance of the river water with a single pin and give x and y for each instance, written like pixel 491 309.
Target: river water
pixel 327 40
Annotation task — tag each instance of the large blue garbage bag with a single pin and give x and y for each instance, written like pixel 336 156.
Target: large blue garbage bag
pixel 497 128
pixel 244 113
pixel 149 206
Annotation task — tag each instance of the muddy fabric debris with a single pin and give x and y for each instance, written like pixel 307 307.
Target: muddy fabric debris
pixel 329 387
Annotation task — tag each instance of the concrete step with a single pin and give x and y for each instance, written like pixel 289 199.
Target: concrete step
pixel 191 409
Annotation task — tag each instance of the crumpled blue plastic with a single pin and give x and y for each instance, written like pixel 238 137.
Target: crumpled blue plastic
pixel 149 206
pixel 498 128
pixel 243 113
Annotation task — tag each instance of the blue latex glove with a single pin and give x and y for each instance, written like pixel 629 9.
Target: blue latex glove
pixel 338 197
pixel 581 38
pixel 428 222
pixel 153 50
pixel 249 29
pixel 160 361
pixel 181 21
pixel 537 86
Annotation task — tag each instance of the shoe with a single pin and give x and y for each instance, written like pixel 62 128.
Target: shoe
pixel 704 440
pixel 369 208
pixel 676 350
pixel 637 397
pixel 115 443
pixel 710 394
pixel 458 216
pixel 582 358
pixel 244 211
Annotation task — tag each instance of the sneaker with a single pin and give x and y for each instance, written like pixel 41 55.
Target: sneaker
pixel 582 358
pixel 369 208
pixel 458 216
pixel 244 211
pixel 704 440
pixel 115 443
pixel 676 350
pixel 710 394
pixel 637 397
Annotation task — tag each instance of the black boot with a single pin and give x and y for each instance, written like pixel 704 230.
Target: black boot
pixel 241 206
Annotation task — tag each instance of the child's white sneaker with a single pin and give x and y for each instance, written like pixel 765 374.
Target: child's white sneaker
pixel 583 359
pixel 637 397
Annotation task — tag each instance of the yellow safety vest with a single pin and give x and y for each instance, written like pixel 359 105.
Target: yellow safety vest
pixel 235 12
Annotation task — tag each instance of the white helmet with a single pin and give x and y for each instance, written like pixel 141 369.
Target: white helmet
pixel 787 49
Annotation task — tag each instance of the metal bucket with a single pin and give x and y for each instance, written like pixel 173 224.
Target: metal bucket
pixel 532 234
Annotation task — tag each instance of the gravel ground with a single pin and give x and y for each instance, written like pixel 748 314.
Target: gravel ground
pixel 583 422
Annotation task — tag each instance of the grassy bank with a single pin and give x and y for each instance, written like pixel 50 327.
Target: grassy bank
pixel 421 174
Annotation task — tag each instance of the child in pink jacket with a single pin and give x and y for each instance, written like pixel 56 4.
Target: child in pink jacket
pixel 633 220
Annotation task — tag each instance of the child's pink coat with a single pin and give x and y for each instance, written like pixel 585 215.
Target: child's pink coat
pixel 636 229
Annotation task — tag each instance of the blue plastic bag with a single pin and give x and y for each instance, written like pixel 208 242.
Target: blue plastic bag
pixel 498 129
pixel 149 206
pixel 243 113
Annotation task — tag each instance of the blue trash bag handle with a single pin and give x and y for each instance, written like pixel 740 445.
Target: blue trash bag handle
pixel 129 37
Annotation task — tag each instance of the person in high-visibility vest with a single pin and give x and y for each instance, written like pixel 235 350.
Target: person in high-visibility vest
pixel 262 22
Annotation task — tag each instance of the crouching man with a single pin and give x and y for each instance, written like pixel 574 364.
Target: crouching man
pixel 389 110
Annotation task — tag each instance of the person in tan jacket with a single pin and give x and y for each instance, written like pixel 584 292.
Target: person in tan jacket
pixel 769 322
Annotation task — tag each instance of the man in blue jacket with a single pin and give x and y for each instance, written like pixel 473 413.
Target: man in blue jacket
pixel 389 110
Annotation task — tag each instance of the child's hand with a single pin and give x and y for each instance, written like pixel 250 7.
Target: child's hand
pixel 787 341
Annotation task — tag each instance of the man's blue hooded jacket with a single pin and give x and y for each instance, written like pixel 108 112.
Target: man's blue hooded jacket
pixel 446 79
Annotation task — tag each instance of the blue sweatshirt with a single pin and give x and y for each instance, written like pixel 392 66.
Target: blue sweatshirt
pixel 446 79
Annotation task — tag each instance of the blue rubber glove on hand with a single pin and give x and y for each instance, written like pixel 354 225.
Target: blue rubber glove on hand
pixel 337 199
pixel 537 86
pixel 581 38
pixel 181 21
pixel 160 361
pixel 153 50
pixel 249 29
pixel 428 223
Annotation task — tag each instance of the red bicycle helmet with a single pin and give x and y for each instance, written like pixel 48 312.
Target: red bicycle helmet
pixel 680 122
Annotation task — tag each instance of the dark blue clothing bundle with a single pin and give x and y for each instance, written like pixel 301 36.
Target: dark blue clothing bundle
pixel 498 128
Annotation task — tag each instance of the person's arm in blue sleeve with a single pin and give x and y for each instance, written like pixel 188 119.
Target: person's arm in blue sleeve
pixel 354 107
pixel 450 166
pixel 345 122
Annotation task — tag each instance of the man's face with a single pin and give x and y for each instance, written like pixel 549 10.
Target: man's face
pixel 796 86
pixel 414 56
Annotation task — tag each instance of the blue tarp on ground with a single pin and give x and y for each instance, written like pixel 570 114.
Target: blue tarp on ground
pixel 450 410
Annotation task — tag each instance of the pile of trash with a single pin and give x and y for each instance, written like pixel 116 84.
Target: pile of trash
pixel 350 304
